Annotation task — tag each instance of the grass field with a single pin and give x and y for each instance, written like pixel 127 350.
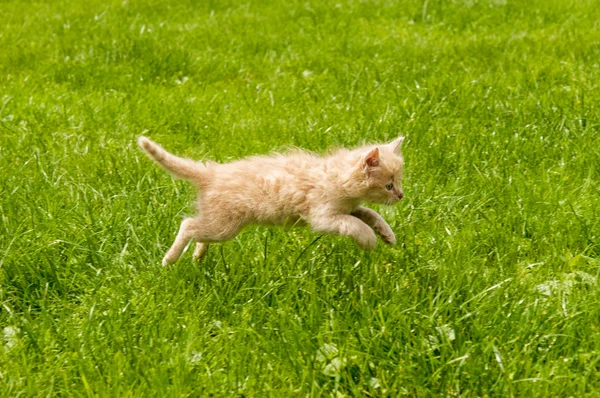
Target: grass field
pixel 492 289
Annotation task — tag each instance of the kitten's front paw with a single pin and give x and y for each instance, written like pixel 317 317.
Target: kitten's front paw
pixel 387 235
pixel 389 239
pixel 367 240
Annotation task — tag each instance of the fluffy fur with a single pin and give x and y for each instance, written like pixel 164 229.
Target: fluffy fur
pixel 324 192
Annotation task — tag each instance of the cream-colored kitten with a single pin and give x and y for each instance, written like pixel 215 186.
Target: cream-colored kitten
pixel 325 192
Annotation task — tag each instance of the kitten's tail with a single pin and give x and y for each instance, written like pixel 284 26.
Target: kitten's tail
pixel 186 169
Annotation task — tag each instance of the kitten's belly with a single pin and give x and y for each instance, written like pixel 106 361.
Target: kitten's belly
pixel 280 201
pixel 286 221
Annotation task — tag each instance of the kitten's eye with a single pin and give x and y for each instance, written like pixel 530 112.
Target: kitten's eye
pixel 389 187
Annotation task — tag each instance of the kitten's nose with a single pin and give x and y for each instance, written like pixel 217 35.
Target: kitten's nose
pixel 400 195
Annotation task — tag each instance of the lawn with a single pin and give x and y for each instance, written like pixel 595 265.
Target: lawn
pixel 492 289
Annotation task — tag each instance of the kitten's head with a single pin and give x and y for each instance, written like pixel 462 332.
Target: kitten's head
pixel 380 169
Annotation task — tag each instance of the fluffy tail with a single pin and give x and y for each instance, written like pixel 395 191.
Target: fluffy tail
pixel 186 169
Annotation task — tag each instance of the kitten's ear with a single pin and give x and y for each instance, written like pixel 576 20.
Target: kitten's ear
pixel 371 159
pixel 396 144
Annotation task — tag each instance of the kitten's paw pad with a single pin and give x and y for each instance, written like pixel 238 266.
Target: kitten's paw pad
pixel 387 235
pixel 389 239
pixel 367 241
pixel 200 251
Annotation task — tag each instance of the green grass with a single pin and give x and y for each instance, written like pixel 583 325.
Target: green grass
pixel 492 290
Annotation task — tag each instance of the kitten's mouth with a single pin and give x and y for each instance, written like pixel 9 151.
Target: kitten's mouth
pixel 396 198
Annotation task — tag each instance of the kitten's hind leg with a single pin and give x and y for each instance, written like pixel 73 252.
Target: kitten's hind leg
pixel 375 221
pixel 200 251
pixel 203 231
pixel 184 236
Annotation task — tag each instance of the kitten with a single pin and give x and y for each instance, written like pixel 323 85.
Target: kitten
pixel 325 192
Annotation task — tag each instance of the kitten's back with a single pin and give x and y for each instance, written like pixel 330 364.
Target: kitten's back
pixel 269 189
